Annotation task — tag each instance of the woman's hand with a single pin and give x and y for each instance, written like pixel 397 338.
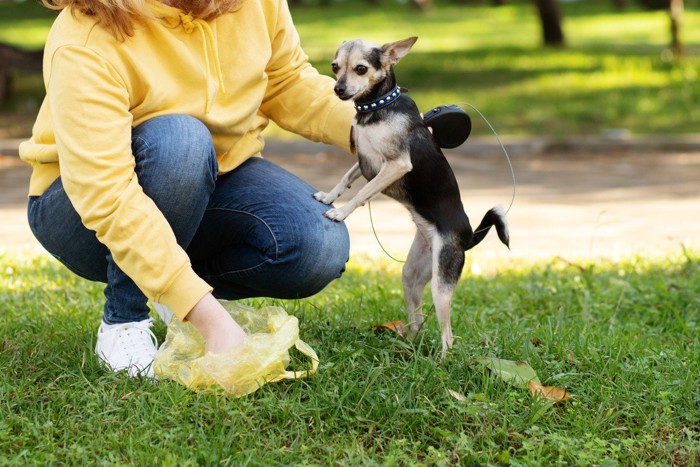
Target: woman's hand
pixel 216 325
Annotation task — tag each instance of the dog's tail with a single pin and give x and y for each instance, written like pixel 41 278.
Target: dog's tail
pixel 494 217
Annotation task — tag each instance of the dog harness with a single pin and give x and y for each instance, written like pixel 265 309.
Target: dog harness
pixel 386 99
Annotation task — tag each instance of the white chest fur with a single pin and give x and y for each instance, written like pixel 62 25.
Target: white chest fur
pixel 379 142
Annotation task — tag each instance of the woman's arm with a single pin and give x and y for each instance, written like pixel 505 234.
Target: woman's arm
pixel 89 106
pixel 216 325
pixel 298 98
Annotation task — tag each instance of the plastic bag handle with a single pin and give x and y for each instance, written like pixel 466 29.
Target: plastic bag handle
pixel 306 349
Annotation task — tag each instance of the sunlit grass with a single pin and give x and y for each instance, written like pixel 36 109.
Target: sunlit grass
pixel 622 337
pixel 630 29
pixel 615 73
pixel 30 34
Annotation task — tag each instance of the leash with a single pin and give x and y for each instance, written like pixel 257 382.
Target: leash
pixel 371 222
pixel 510 166
pixel 505 153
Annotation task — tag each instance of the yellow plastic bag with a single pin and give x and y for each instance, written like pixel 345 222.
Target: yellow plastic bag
pixel 264 357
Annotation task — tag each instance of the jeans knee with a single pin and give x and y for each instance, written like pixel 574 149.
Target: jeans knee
pixel 176 167
pixel 318 260
pixel 177 149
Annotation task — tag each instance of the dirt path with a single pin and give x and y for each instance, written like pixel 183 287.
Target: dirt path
pixel 575 205
pixel 569 204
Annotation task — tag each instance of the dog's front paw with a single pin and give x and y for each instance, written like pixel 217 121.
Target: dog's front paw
pixel 337 215
pixel 325 198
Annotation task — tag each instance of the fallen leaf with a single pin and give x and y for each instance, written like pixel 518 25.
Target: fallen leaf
pixel 550 393
pixel 517 373
pixel 522 375
pixel 397 326
pixel 456 395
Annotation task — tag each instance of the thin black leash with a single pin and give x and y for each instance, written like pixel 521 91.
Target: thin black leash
pixel 510 165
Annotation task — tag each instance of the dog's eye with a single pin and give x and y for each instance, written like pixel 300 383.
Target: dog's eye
pixel 360 69
pixel 335 68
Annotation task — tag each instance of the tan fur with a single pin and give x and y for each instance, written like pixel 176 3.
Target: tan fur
pixel 383 160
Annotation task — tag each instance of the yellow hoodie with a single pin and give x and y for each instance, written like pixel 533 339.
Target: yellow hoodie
pixel 234 73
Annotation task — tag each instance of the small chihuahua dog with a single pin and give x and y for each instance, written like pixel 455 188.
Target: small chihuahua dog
pixel 399 157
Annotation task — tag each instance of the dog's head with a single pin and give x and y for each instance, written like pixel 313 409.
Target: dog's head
pixel 360 65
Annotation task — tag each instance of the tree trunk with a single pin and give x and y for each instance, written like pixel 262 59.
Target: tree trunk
pixel 620 5
pixel 422 5
pixel 5 85
pixel 550 16
pixel 14 59
pixel 676 14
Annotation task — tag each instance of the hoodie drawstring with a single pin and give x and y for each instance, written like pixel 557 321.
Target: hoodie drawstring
pixel 189 24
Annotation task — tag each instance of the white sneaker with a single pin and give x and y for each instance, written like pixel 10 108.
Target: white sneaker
pixel 165 313
pixel 128 346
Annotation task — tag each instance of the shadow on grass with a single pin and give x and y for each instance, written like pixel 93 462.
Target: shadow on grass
pixel 586 88
pixel 622 337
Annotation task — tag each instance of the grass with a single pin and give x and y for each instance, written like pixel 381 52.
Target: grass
pixel 615 73
pixel 623 337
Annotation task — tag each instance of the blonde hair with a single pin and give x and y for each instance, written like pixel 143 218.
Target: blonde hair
pixel 119 16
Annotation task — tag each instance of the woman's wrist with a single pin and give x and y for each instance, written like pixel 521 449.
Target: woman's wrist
pixel 216 325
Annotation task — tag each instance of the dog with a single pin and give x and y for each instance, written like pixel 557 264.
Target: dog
pixel 399 157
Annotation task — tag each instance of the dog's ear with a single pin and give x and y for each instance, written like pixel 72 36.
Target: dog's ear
pixel 395 51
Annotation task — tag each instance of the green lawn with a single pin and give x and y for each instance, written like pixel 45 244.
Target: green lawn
pixel 615 73
pixel 623 338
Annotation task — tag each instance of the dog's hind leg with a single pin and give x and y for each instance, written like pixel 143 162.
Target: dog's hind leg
pixel 448 261
pixel 415 276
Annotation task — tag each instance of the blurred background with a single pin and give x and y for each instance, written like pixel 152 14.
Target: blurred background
pixel 544 67
pixel 598 102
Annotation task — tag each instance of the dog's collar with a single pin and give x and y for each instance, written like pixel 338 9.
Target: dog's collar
pixel 386 99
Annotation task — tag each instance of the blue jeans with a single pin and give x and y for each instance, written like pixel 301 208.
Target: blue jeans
pixel 256 231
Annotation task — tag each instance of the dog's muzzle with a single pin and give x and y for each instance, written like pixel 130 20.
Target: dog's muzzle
pixel 340 91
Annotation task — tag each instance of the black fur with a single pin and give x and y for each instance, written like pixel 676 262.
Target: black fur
pixel 430 187
pixel 427 186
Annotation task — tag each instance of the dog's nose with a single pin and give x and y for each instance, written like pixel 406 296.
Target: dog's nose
pixel 339 89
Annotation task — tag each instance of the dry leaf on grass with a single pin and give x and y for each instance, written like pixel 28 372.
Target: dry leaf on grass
pixel 456 395
pixel 522 375
pixel 550 393
pixel 397 326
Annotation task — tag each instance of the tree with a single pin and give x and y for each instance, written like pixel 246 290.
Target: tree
pixel 676 14
pixel 550 17
pixel 422 5
pixel 14 59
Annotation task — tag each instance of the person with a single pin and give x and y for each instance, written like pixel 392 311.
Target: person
pixel 147 169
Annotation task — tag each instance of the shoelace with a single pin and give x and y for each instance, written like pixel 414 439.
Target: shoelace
pixel 133 338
